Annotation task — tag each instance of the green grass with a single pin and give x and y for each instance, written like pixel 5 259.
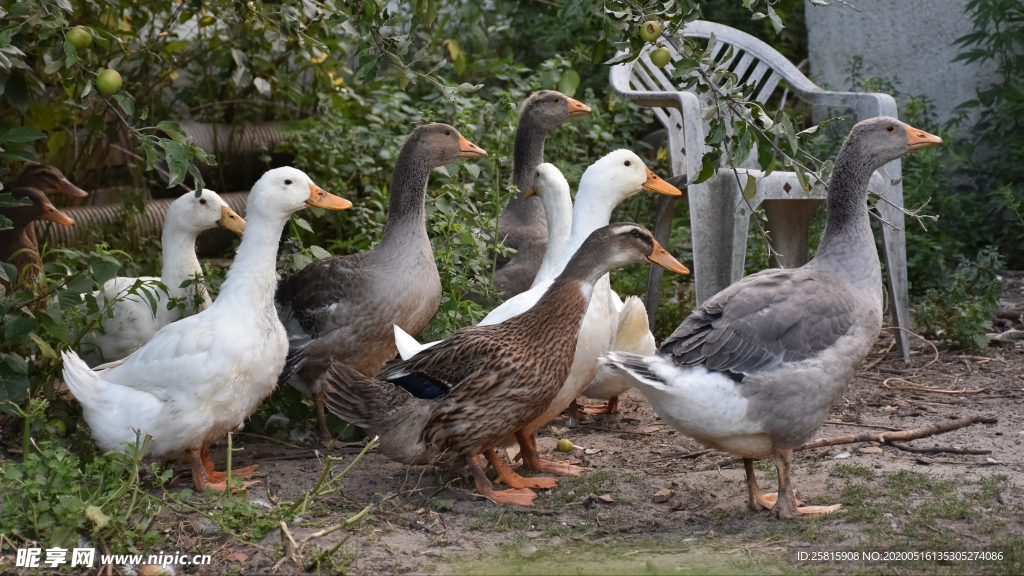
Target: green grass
pixel 851 471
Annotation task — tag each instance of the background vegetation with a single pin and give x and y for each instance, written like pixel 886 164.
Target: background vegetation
pixel 351 81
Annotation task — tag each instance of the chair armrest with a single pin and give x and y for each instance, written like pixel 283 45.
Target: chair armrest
pixel 864 104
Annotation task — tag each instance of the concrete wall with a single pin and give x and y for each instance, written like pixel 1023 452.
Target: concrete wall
pixel 911 40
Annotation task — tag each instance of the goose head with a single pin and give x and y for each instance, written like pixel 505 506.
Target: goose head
pixel 36 207
pixel 191 214
pixel 284 191
pixel 883 139
pixel 619 175
pixel 622 244
pixel 440 145
pixel 548 182
pixel 551 108
pixel 48 180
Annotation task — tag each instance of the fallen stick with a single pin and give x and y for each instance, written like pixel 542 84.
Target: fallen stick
pixel 881 437
pixel 680 456
pixel 615 430
pixel 923 339
pixel 939 450
pixel 902 436
pixel 834 423
pixel 919 388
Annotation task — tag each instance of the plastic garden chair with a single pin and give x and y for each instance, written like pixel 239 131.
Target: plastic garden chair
pixel 719 215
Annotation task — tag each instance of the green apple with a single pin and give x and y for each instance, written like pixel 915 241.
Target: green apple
pixel 109 81
pixel 80 37
pixel 661 57
pixel 565 445
pixel 650 31
pixel 59 426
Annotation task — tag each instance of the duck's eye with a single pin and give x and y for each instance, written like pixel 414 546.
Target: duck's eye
pixel 287 182
pixel 202 201
pixel 627 163
pixel 447 132
pixel 890 128
pixel 635 233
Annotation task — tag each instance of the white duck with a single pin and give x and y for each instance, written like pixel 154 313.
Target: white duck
pixel 199 377
pixel 131 321
pixel 634 336
pixel 756 368
pixel 615 177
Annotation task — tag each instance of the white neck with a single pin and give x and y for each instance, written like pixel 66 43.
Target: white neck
pixel 252 278
pixel 558 212
pixel 593 210
pixel 180 264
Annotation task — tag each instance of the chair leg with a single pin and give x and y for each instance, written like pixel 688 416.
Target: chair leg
pixel 719 228
pixel 662 233
pixel 789 223
pixel 895 241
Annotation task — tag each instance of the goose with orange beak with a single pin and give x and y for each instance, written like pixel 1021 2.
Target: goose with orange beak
pixel 343 307
pixel 201 376
pixel 755 370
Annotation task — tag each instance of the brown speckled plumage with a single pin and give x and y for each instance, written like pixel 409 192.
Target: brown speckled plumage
pixel 465 394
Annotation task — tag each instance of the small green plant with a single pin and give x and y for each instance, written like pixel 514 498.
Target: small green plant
pixel 962 310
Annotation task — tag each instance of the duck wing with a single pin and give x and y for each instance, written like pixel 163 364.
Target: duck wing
pixel 441 370
pixel 766 319
pixel 307 303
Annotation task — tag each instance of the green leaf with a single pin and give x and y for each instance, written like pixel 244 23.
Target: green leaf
pixel 21 134
pixel 126 104
pixel 9 201
pixel 19 155
pixel 8 272
pixel 104 269
pixel 750 189
pixel 151 156
pixel 99 519
pixel 18 330
pixel 568 82
pixel 318 252
pixel 70 54
pixel 44 348
pixel 173 129
pixel 8 34
pixel 571 9
pixel 54 324
pixel 301 223
pixel 177 161
pixel 707 170
pixel 776 21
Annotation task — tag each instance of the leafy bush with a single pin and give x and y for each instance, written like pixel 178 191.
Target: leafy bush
pixel 961 310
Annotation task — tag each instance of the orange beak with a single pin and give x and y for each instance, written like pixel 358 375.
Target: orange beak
pixel 56 216
pixel 530 193
pixel 577 108
pixel 67 188
pixel 662 258
pixel 322 199
pixel 231 221
pixel 921 139
pixel 469 150
pixel 659 186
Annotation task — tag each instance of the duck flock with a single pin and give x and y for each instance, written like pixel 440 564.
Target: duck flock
pixel 753 371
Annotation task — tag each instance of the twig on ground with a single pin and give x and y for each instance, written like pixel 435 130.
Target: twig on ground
pixel 680 456
pixel 268 438
pixel 939 450
pixel 291 550
pixel 922 338
pixel 880 356
pixel 978 358
pixel 914 386
pixel 834 423
pixel 615 430
pixel 904 435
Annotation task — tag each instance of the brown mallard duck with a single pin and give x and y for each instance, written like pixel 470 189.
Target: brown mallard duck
pixel 458 399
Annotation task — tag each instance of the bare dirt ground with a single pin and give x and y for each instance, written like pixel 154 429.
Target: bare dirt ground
pixel 606 521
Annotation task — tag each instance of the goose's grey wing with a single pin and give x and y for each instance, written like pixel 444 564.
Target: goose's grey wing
pixel 310 302
pixel 766 319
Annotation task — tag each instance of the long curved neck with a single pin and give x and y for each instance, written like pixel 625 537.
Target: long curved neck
pixel 406 214
pixel 593 210
pixel 558 213
pixel 528 153
pixel 181 264
pixel 847 246
pixel 252 278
